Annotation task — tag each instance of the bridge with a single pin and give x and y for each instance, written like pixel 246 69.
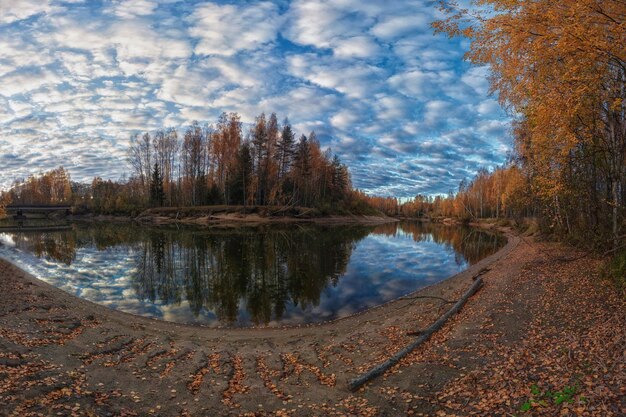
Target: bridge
pixel 20 210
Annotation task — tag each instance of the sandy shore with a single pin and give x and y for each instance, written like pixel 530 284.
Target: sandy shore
pixel 60 354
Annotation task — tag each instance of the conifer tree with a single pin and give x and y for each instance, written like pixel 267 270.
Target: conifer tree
pixel 157 194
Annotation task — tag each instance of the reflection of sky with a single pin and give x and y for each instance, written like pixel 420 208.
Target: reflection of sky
pixel 381 268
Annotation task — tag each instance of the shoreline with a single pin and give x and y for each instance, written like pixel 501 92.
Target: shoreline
pixel 231 217
pixel 470 272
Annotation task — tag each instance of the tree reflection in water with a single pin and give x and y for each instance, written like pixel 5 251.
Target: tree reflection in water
pixel 264 269
pixel 245 275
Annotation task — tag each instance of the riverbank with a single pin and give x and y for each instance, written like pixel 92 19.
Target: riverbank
pixel 230 216
pixel 541 323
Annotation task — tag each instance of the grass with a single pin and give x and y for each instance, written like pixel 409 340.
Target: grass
pixel 541 398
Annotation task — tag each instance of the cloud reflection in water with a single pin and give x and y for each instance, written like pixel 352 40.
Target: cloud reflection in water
pixel 274 275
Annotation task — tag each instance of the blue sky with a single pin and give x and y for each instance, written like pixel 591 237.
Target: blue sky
pixel 396 102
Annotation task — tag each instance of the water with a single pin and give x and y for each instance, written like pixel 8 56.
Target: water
pixel 266 276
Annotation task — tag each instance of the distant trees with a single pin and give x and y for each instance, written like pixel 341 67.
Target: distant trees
pixel 4 201
pixel 53 187
pixel 503 193
pixel 217 166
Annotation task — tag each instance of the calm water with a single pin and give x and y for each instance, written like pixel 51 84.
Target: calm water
pixel 273 275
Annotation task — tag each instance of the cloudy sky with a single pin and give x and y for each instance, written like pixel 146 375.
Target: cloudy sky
pixel 396 102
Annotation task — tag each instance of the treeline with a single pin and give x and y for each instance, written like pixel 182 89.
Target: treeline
pixel 52 187
pixel 216 164
pixel 560 67
pixel 502 193
pixel 210 165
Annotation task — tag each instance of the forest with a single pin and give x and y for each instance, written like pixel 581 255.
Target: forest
pixel 208 164
pixel 559 68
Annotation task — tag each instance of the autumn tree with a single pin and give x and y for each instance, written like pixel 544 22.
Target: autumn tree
pixel 166 147
pixel 140 156
pixel 225 144
pixel 5 200
pixel 195 164
pixel 52 187
pixel 560 66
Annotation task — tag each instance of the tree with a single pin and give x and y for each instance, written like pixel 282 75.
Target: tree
pixel 224 147
pixel 166 148
pixel 195 164
pixel 562 67
pixel 301 172
pixel 140 155
pixel 242 178
pixel 270 167
pixel 5 200
pixel 157 195
pixel 285 150
pixel 260 154
pixel 340 184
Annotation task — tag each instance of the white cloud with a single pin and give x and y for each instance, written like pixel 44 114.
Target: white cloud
pixel 14 10
pixel 26 81
pixel 228 29
pixel 357 47
pixel 392 27
pixel 420 84
pixel 477 78
pixel 356 80
pixel 131 8
pixel 344 118
pixel 190 86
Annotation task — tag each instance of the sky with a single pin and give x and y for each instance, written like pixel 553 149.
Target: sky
pixel 396 102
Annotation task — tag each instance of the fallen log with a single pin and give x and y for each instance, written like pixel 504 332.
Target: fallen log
pixel 425 334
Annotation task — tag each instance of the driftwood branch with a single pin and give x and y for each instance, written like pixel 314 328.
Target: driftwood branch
pixel 424 336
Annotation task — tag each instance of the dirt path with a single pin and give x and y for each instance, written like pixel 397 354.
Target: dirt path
pixel 537 321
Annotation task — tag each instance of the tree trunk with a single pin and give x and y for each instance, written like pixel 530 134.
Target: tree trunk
pixel 615 195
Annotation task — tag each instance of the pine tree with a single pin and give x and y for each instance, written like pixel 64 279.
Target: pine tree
pixel 157 194
pixel 302 169
pixel 242 179
pixel 285 149
pixel 340 179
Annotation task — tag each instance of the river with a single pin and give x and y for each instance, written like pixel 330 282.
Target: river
pixel 272 275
